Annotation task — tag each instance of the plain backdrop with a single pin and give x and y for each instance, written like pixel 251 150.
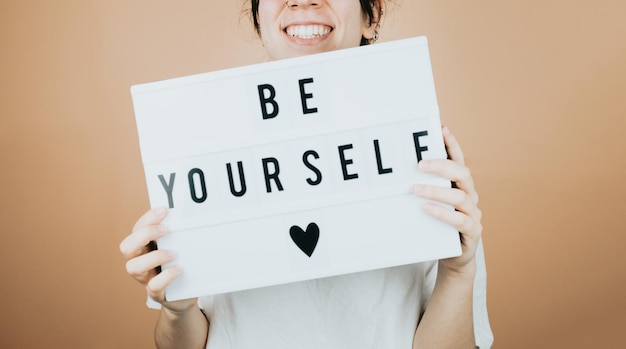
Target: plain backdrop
pixel 534 90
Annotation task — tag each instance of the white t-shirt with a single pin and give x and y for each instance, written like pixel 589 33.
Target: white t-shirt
pixel 375 309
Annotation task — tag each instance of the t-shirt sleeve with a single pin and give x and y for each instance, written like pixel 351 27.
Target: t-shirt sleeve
pixel 482 328
pixel 204 303
pixel 152 304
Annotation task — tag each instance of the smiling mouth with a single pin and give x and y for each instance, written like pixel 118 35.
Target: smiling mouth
pixel 308 31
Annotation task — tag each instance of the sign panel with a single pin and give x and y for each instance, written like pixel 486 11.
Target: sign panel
pixel 295 169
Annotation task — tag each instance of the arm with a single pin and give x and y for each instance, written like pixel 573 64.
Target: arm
pixel 181 329
pixel 181 324
pixel 448 319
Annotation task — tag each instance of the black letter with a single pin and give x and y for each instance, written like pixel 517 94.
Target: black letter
pixel 168 188
pixel 270 100
pixel 311 167
pixel 192 186
pixel 304 96
pixel 418 148
pixel 242 179
pixel 345 163
pixel 273 176
pixel 379 161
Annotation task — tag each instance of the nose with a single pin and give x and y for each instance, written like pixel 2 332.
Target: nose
pixel 301 3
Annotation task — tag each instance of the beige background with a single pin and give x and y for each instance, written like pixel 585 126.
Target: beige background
pixel 534 90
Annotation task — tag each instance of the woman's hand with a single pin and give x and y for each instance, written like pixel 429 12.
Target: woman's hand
pixel 462 196
pixel 143 259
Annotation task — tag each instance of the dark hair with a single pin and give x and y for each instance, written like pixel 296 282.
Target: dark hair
pixel 367 7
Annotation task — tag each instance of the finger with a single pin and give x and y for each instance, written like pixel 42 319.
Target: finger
pixel 156 286
pixel 469 228
pixel 453 197
pixel 137 243
pixel 139 266
pixel 153 216
pixel 452 146
pixel 453 171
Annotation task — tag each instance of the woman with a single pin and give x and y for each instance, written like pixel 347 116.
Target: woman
pixel 439 304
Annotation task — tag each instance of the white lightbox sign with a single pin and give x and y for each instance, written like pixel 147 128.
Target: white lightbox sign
pixel 295 169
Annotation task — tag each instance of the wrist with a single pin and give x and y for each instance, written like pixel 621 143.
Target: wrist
pixel 179 309
pixel 465 272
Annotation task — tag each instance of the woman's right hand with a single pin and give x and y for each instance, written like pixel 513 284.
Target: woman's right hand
pixel 143 260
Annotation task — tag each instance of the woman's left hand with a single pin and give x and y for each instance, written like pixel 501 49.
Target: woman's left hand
pixel 462 196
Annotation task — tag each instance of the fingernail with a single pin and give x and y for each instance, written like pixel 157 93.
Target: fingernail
pixel 446 131
pixel 159 211
pixel 161 229
pixel 418 189
pixel 423 164
pixel 171 254
pixel 428 208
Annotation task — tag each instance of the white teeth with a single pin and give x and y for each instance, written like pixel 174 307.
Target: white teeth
pixel 308 31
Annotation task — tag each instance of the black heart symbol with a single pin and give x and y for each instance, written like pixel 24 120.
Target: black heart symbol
pixel 306 241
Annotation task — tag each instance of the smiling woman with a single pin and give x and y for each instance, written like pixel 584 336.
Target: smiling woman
pixel 436 304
